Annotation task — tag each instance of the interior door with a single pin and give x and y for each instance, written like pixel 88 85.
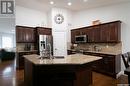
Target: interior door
pixel 60 44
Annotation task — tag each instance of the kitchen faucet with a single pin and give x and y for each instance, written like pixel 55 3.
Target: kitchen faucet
pixel 46 53
pixel 96 48
pixel 50 52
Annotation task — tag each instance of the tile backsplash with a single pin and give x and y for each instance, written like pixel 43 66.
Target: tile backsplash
pixel 21 46
pixel 105 47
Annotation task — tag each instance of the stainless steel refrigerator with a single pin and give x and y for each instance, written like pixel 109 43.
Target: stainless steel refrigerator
pixel 45 45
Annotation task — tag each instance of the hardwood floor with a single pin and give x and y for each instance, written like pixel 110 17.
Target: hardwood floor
pixel 9 76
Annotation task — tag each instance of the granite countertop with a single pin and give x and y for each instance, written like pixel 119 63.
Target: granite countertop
pixel 101 52
pixel 19 51
pixel 70 59
pixel 105 52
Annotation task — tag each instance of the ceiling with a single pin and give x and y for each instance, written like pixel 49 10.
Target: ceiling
pixel 77 5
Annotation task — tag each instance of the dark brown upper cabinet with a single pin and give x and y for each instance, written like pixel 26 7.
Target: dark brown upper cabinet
pixel 102 33
pixel 114 32
pixel 97 34
pixel 25 34
pixel 44 31
pixel 74 33
pixel 111 32
pixel 94 34
pixel 73 36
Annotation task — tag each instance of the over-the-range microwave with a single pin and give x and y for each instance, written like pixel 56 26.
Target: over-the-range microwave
pixel 81 39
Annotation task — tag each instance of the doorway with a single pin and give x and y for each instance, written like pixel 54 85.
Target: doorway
pixel 59 43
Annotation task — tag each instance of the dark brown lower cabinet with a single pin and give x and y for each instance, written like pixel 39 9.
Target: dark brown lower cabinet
pixel 20 58
pixel 69 52
pixel 109 64
pixel 57 75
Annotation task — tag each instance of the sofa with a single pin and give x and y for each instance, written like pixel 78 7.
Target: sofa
pixel 6 55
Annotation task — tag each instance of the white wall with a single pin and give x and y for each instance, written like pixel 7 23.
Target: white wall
pixel 107 14
pixel 7 25
pixel 30 17
pixel 59 27
pixel 49 19
pixel 64 27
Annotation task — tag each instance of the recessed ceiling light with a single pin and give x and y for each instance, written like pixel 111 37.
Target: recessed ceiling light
pixel 51 2
pixel 85 0
pixel 69 3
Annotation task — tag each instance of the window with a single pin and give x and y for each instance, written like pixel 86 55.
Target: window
pixel 7 42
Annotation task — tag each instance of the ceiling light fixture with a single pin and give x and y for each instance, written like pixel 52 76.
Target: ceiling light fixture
pixel 51 2
pixel 69 3
pixel 85 0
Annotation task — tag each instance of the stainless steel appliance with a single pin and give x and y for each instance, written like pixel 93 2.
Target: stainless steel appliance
pixel 81 39
pixel 45 45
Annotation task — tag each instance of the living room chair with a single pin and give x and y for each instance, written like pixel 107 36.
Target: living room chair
pixel 6 55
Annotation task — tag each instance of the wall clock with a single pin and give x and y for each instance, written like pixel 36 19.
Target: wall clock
pixel 59 19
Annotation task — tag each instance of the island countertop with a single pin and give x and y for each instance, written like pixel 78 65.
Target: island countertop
pixel 106 52
pixel 69 59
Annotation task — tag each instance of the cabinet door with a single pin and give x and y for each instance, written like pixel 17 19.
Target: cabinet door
pixel 96 34
pixel 110 32
pixel 113 32
pixel 44 31
pixel 25 34
pixel 20 59
pixel 18 34
pixel 98 65
pixel 86 31
pixel 30 35
pixel 89 34
pixel 109 64
pixel 47 31
pixel 104 33
pixel 73 36
pixel 77 32
pixel 82 31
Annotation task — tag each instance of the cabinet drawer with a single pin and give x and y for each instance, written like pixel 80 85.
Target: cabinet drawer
pixel 109 64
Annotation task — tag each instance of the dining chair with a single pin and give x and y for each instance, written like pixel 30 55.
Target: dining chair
pixel 126 60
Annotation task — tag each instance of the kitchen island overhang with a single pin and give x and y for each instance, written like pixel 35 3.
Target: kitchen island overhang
pixel 73 70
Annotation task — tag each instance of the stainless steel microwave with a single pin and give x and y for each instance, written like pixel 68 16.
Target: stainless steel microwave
pixel 81 39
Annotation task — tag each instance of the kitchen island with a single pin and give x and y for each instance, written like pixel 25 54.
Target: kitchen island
pixel 72 70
